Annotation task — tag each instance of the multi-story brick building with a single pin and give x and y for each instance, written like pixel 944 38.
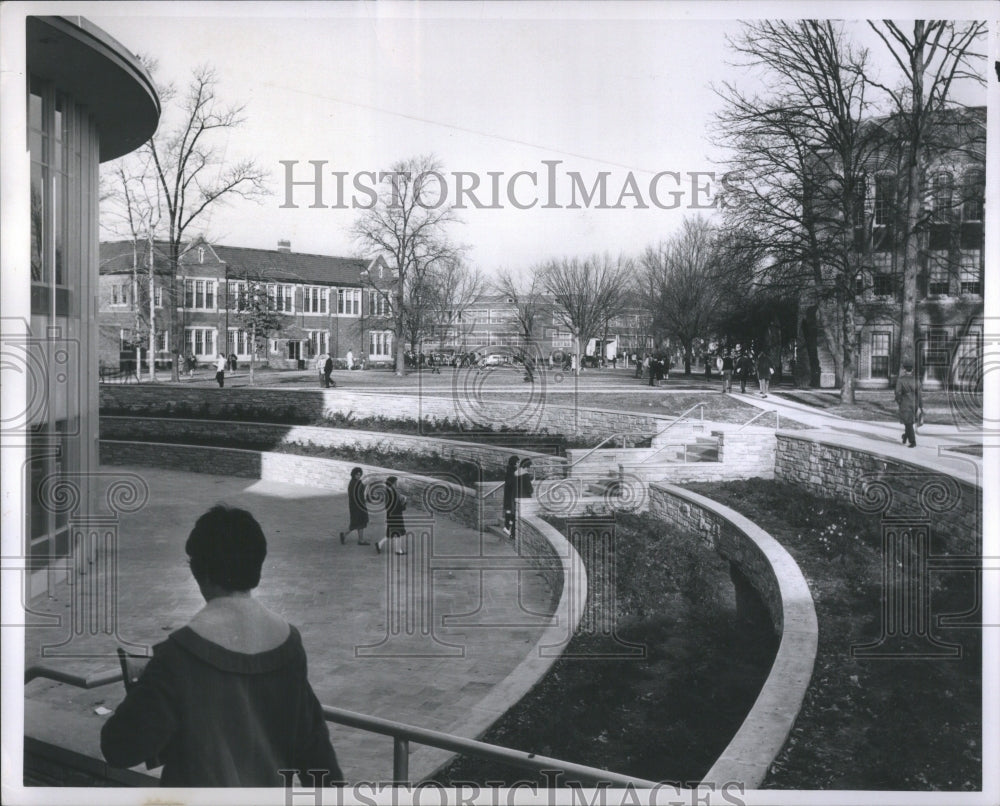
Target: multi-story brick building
pixel 325 304
pixel 950 277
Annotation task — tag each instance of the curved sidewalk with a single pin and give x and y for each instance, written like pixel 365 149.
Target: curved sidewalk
pixel 480 621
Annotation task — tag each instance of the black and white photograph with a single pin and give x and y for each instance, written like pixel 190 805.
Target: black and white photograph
pixel 500 403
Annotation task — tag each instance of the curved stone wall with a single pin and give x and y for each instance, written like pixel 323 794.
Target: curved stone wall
pixel 774 574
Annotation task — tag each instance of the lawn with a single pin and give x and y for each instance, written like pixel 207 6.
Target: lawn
pixel 940 407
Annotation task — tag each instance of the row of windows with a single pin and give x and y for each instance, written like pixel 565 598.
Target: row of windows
pixel 944 201
pixel 212 295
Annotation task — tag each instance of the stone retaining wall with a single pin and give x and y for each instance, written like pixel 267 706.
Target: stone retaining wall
pixel 299 404
pixel 155 429
pixel 761 561
pixel 882 484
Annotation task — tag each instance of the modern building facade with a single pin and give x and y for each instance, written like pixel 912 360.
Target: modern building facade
pixel 85 99
pixel 324 304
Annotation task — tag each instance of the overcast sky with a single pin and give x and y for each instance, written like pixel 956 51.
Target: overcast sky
pixel 485 87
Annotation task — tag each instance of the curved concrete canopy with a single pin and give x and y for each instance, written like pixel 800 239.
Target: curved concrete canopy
pixel 98 72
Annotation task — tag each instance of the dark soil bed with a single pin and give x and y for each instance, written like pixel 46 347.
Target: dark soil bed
pixel 891 723
pixel 663 717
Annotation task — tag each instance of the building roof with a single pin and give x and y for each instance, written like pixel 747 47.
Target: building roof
pixel 270 264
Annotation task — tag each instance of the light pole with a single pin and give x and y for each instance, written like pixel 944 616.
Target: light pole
pixel 363 355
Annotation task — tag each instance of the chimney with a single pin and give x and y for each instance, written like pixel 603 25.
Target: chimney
pixel 284 246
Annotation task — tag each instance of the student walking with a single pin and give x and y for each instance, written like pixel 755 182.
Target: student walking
pixel 744 368
pixel 727 372
pixel 908 399
pixel 357 505
pixel 395 529
pixel 220 370
pixel 509 495
pixel 764 372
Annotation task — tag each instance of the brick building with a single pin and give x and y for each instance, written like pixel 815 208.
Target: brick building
pixel 951 265
pixel 325 304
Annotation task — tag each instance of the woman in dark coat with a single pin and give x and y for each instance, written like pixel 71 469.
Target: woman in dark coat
pixel 357 504
pixel 395 529
pixel 908 400
pixel 764 372
pixel 509 494
pixel 525 487
pixel 225 700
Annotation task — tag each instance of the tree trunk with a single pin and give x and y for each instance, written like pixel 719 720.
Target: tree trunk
pixel 253 351
pixel 152 313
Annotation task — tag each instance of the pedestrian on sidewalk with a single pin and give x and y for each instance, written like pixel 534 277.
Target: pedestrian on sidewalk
pixel 357 505
pixel 220 370
pixel 225 700
pixel 327 372
pixel 509 495
pixel 727 372
pixel 744 368
pixel 909 402
pixel 764 371
pixel 395 529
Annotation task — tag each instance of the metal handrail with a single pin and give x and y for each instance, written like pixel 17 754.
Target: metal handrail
pixel 663 448
pixel 402 734
pixel 681 416
pixel 758 415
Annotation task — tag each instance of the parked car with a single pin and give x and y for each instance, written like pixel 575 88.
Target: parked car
pixel 494 360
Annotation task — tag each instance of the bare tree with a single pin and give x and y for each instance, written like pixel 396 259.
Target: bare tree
pixel 681 278
pixel 408 225
pixel 932 58
pixel 586 293
pixel 455 286
pixel 530 304
pixel 190 172
pixel 802 155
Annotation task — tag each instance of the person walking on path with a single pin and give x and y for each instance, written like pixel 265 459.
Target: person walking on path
pixel 395 529
pixel 327 371
pixel 525 485
pixel 225 700
pixel 357 505
pixel 651 370
pixel 220 370
pixel 350 359
pixel 764 372
pixel 727 372
pixel 509 494
pixel 744 368
pixel 908 400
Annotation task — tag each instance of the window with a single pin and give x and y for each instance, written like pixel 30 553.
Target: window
pixel 281 297
pixel 884 285
pixel 938 279
pixel 478 316
pixel 319 342
pixel 378 304
pixel 380 344
pixel 970 275
pixel 500 315
pixel 881 344
pixel 941 196
pixel 199 295
pixel 162 341
pixel 973 191
pixel 885 200
pixel 157 296
pixel 239 343
pixel 348 301
pixel 314 299
pixel 200 341
pixel 119 293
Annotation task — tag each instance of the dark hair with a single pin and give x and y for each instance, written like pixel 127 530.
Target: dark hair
pixel 356 471
pixel 227 547
pixel 512 463
pixel 391 481
pixel 526 462
pixel 908 366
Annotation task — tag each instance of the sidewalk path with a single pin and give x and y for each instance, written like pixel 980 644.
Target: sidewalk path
pixel 935 443
pixel 484 622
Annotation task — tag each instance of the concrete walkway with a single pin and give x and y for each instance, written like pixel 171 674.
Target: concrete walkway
pixel 935 443
pixel 367 652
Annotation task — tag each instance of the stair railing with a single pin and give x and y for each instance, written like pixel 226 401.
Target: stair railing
pixel 758 415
